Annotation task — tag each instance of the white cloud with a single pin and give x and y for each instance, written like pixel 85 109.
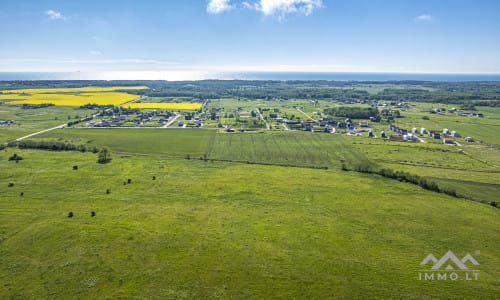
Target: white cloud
pixel 95 52
pixel 279 8
pixel 283 7
pixel 247 5
pixel 55 15
pixel 424 18
pixel 218 6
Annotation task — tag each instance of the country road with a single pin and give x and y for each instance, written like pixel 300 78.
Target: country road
pixel 40 132
pixel 262 118
pixel 172 121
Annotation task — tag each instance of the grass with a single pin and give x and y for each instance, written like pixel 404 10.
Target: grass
pixel 221 230
pixel 160 142
pixel 477 164
pixel 33 120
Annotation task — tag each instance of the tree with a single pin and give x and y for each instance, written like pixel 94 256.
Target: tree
pixel 104 155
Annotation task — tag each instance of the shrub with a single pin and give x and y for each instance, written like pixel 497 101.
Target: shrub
pixel 15 157
pixel 75 168
pixel 11 184
pixel 494 204
pixel 104 155
pixel 70 214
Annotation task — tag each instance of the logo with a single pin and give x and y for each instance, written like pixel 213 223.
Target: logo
pixel 449 267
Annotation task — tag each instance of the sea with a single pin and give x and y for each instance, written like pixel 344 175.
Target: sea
pixel 278 76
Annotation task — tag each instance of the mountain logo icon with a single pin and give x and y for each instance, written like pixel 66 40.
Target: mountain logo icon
pixel 449 261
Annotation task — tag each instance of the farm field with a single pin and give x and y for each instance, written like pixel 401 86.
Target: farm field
pixel 479 166
pixel 245 207
pixel 171 142
pixel 70 96
pixel 225 230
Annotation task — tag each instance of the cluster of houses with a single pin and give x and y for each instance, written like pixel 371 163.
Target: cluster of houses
pixel 136 117
pixel 453 110
pixel 7 122
pixel 446 134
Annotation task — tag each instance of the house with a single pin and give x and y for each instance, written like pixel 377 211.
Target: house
pixel 448 141
pixel 423 131
pixel 469 139
pixel 434 134
pixel 409 137
pixel 446 131
pixel 454 133
pixel 383 135
pixel 363 124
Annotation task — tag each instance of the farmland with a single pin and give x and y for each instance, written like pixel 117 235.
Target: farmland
pixel 251 205
pixel 224 230
pixel 69 96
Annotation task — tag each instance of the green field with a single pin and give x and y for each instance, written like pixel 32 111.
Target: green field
pixel 477 165
pixel 33 120
pixel 185 213
pixel 222 230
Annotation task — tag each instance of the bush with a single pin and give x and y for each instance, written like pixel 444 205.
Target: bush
pixel 15 157
pixel 104 155
pixel 494 204
pixel 75 168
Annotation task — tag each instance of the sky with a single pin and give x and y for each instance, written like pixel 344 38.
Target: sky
pixel 410 36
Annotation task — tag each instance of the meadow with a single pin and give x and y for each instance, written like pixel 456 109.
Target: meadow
pixel 217 230
pixel 448 165
pixel 28 121
pixel 185 213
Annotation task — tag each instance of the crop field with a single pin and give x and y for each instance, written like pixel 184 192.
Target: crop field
pixel 225 230
pixel 164 105
pixel 170 142
pixel 449 165
pixel 70 96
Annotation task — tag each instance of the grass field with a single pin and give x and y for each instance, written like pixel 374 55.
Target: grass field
pixel 222 230
pixel 32 120
pixel 477 165
pixel 269 214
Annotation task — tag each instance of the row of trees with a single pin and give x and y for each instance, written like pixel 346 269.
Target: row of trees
pixel 353 112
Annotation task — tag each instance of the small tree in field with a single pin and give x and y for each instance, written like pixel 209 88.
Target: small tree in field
pixel 104 155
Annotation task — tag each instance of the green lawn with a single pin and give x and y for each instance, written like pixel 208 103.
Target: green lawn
pixel 215 230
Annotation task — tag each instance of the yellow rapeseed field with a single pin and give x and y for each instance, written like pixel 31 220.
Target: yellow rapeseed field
pixel 170 106
pixel 70 96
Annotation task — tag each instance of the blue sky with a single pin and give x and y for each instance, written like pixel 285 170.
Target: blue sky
pixel 252 35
